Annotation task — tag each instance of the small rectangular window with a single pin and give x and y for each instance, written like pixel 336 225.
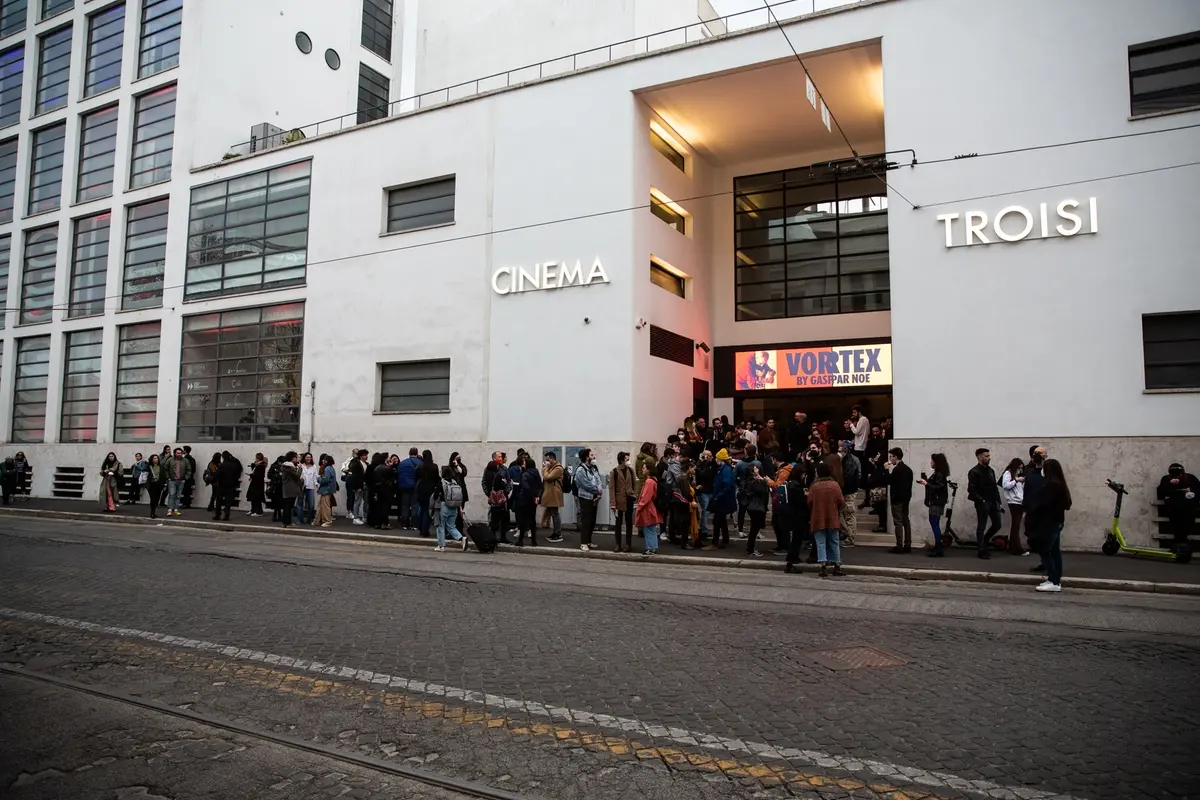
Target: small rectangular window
pixel 158 49
pixel 377 27
pixel 415 386
pixel 46 167
pixel 662 277
pixel 1171 350
pixel 5 260
pixel 153 138
pixel 54 70
pixel 667 214
pixel 106 38
pixel 669 152
pixel 37 274
pixel 373 91
pixel 8 178
pixel 421 205
pixel 81 386
pixel 136 408
pixel 29 392
pixel 13 14
pixel 1164 75
pixel 52 8
pixel 145 254
pixel 671 346
pixel 89 265
pixel 97 154
pixel 12 76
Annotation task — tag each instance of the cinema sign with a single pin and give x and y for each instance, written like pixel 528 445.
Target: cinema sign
pixel 547 275
pixel 1014 223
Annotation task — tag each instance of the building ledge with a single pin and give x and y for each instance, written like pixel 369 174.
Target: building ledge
pixel 1181 390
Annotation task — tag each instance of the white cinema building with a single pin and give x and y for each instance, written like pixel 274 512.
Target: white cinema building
pixel 621 217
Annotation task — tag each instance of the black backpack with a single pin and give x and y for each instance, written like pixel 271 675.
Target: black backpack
pixel 568 482
pixel 666 493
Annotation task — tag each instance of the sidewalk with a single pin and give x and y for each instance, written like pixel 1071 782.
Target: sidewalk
pixel 959 563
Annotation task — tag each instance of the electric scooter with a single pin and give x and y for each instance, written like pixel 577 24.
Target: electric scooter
pixel 950 538
pixel 1115 542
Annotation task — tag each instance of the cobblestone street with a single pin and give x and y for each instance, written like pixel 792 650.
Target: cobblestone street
pixel 563 691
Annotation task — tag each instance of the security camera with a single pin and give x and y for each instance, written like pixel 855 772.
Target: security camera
pixel 703 346
pixel 641 323
pixel 587 320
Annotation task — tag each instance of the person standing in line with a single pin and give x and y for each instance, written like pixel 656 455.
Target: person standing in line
pixel 647 455
pixel 179 472
pixel 900 483
pixel 136 480
pixel 275 489
pixel 256 487
pixel 983 489
pixel 741 476
pixel 860 428
pixel 23 469
pixel 825 501
pixel 356 476
pixel 229 475
pixel 460 475
pixel 1012 481
pixel 377 512
pixel 110 483
pixel 758 496
pixel 327 487
pixel 706 473
pixel 724 499
pixel 799 434
pixel 291 479
pixel 622 495
pixel 189 486
pixel 851 481
pixel 445 501
pixel 530 496
pixel 937 495
pixel 493 471
pixel 210 480
pixel 589 488
pixel 406 484
pixel 429 478
pixel 799 482
pixel 8 479
pixel 1047 517
pixel 156 477
pixel 552 494
pixel 306 502
pixel 1034 481
pixel 646 514
pixel 682 502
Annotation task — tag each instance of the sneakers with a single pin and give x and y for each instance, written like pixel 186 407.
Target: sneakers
pixel 464 541
pixel 593 547
pixel 255 515
pixel 358 521
pixel 439 549
pixel 556 539
pixel 754 554
pixel 1047 586
pixel 326 524
pixel 584 548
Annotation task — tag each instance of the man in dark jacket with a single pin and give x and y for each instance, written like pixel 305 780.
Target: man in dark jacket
pixel 1034 482
pixel 229 475
pixel 984 492
pixel 189 485
pixel 1179 492
pixel 900 483
pixel 406 485
pixel 706 473
pixel 798 435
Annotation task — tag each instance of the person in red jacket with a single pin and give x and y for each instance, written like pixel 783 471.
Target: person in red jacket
pixel 825 503
pixel 647 516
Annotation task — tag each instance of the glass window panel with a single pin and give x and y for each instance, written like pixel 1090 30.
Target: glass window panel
pixel 158 48
pixel 137 382
pixel 37 280
pixel 106 35
pixel 81 386
pixel 13 14
pixel 45 169
pixel 772 309
pixel 373 90
pixel 97 154
pixel 153 138
pixel 377 27
pixel 668 215
pixel 1164 75
pixel 5 261
pixel 89 266
pixel 668 152
pixel 12 76
pixel 415 386
pixel 145 254
pixel 409 206
pixel 52 8
pixel 8 178
pixel 54 70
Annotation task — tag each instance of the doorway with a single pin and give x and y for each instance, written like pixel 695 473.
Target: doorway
pixel 699 399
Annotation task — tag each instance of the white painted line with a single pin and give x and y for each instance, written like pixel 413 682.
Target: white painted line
pixel 815 758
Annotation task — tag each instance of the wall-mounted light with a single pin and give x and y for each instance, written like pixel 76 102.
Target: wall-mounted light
pixel 703 346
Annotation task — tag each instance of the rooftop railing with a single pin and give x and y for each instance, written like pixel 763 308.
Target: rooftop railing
pixel 555 67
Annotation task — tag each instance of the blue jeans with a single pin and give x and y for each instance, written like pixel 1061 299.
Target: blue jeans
pixel 306 506
pixel 447 523
pixel 1052 556
pixel 703 500
pixel 359 509
pixel 650 532
pixel 174 493
pixel 829 544
pixel 935 522
pixel 425 517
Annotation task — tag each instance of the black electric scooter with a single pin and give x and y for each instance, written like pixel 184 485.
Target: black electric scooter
pixel 950 538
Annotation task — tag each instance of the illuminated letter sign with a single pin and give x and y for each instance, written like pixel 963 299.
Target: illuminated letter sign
pixel 547 275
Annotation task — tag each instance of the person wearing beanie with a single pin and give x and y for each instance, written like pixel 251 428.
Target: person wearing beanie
pixel 724 499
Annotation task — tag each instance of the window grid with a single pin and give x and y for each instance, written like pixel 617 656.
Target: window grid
pixel 137 383
pixel 421 205
pixel 106 39
pixel 97 154
pixel 46 167
pixel 665 279
pixel 810 242
pixel 89 265
pixel 52 8
pixel 1164 75
pixel 668 151
pixel 37 274
pixel 13 16
pixel 29 390
pixel 373 91
pixel 81 386
pixel 8 178
pixel 158 49
pixel 153 138
pixel 672 346
pixel 54 70
pixel 5 260
pixel 668 215
pixel 377 28
pixel 1171 350
pixel 145 255
pixel 12 77
pixel 240 374
pixel 249 233
pixel 414 386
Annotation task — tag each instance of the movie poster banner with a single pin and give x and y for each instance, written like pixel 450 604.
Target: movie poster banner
pixel 854 366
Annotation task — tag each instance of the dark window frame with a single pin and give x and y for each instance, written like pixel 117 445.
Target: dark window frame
pixel 5 270
pixel 54 136
pixel 88 259
pixel 150 115
pixel 427 197
pixel 35 247
pixel 9 152
pixel 414 387
pixel 111 24
pixel 145 252
pixel 374 89
pixel 667 280
pixel 50 91
pixel 136 385
pixel 377 23
pixel 80 391
pixel 52 8
pixel 97 145
pixel 12 91
pixel 32 377
pixel 1171 98
pixel 1171 351
pixel 14 16
pixel 159 16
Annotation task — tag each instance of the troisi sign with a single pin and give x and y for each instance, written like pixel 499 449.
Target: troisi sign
pixel 547 275
pixel 1014 223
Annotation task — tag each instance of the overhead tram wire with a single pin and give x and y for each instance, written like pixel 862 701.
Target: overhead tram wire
pixel 838 125
pixel 1036 147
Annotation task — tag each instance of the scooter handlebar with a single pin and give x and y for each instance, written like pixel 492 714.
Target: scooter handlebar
pixel 1119 488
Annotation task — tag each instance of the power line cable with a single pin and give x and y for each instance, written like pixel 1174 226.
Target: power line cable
pixel 1036 147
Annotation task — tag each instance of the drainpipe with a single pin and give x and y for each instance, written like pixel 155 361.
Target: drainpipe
pixel 312 414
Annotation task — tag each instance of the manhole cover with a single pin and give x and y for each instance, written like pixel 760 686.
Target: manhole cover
pixel 847 658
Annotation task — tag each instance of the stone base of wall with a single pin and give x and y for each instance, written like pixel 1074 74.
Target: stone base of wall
pixel 1138 463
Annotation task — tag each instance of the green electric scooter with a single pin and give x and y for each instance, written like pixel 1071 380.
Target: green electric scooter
pixel 1115 542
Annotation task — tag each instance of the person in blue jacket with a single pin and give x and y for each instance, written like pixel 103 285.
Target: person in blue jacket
pixel 724 499
pixel 406 483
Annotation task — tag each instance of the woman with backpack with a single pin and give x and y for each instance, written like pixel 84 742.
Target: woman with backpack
pixel 327 487
pixel 937 494
pixel 646 516
pixel 527 501
pixel 448 496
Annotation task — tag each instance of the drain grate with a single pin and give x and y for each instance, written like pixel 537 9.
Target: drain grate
pixel 843 659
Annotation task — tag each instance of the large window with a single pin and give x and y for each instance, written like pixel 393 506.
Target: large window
pixel 145 255
pixel 12 76
pixel 158 50
pixel 414 386
pixel 29 390
pixel 1171 350
pixel 106 36
pixel 89 265
pixel 666 279
pixel 810 242
pixel 377 27
pixel 668 151
pixel 37 274
pixel 81 386
pixel 137 383
pixel 5 260
pixel 1165 75
pixel 54 70
pixel 421 205
pixel 153 138
pixel 248 233
pixel 13 14
pixel 662 208
pixel 97 154
pixel 239 379
pixel 8 178
pixel 52 8
pixel 373 91
pixel 46 167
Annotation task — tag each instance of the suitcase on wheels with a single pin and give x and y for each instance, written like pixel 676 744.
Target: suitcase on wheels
pixel 482 536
